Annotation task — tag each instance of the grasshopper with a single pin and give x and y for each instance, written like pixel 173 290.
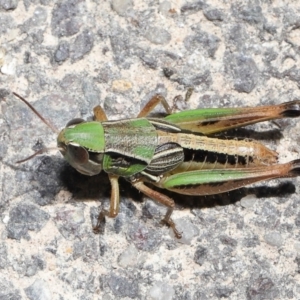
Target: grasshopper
pixel 178 152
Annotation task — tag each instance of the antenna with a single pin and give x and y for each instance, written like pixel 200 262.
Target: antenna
pixel 37 153
pixel 46 122
pixel 37 113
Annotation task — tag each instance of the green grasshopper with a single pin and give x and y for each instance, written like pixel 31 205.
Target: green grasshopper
pixel 178 152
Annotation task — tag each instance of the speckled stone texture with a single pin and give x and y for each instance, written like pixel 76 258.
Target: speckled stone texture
pixel 65 57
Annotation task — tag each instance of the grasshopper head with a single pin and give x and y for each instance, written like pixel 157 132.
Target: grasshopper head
pixel 82 145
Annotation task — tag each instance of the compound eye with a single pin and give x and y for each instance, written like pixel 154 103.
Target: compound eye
pixel 74 122
pixel 77 154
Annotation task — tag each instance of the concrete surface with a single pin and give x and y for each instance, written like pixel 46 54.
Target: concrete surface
pixel 67 56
